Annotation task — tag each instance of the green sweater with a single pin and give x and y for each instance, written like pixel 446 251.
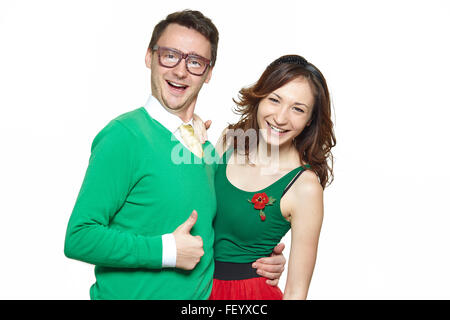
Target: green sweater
pixel 135 190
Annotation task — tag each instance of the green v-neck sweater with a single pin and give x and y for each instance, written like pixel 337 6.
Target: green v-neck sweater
pixel 142 183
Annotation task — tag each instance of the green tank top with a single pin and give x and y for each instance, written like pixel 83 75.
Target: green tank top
pixel 242 232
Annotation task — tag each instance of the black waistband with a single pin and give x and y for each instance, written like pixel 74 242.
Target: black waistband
pixel 234 271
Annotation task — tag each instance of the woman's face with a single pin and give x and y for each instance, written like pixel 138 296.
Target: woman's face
pixel 285 112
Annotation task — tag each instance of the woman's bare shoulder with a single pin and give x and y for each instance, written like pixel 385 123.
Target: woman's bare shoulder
pixel 308 183
pixel 304 194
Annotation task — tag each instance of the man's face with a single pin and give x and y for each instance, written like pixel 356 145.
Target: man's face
pixel 175 88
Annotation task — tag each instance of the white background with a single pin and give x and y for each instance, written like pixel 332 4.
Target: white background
pixel 69 67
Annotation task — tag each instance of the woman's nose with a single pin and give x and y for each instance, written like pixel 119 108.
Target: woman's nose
pixel 281 116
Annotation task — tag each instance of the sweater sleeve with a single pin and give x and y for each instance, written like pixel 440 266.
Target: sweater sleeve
pixel 110 176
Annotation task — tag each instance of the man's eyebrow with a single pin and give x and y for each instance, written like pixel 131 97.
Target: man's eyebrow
pixel 193 53
pixel 296 103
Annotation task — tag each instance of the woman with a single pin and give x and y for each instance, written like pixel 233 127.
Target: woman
pixel 274 170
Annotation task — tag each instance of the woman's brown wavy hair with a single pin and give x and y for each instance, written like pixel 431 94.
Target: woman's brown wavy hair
pixel 316 140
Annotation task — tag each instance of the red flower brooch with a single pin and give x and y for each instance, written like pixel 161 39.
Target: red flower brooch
pixel 260 201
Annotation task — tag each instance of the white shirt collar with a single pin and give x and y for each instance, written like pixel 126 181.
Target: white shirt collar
pixel 170 121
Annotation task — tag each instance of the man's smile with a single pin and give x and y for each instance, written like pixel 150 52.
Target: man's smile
pixel 177 86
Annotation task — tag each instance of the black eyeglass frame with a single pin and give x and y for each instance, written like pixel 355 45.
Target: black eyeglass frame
pixel 183 56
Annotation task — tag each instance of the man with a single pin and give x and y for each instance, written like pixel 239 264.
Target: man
pixel 143 218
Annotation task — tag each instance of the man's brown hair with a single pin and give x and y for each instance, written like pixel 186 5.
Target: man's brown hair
pixel 193 20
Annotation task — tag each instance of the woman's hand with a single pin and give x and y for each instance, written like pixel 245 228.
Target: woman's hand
pixel 200 128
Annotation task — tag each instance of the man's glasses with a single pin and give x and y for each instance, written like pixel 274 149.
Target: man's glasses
pixel 170 58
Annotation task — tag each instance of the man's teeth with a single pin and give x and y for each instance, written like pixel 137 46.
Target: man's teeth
pixel 176 84
pixel 277 129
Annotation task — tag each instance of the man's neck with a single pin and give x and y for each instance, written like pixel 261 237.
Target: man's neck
pixel 185 115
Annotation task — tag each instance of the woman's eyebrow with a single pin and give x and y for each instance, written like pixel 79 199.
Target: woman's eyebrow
pixel 296 103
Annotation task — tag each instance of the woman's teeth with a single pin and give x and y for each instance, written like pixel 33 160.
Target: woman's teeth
pixel 277 129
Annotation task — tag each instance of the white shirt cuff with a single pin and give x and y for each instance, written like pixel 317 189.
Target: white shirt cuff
pixel 169 252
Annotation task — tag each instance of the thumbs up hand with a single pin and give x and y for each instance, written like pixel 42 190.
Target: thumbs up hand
pixel 189 247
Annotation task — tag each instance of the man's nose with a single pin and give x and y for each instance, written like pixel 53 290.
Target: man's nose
pixel 180 70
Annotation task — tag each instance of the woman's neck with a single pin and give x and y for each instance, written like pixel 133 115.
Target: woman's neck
pixel 275 158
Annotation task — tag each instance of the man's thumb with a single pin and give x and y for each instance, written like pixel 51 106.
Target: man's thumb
pixel 189 223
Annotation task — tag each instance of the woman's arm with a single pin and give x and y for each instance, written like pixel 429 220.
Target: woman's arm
pixel 306 212
pixel 200 128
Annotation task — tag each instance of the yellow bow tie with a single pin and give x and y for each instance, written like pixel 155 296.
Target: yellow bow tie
pixel 191 140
